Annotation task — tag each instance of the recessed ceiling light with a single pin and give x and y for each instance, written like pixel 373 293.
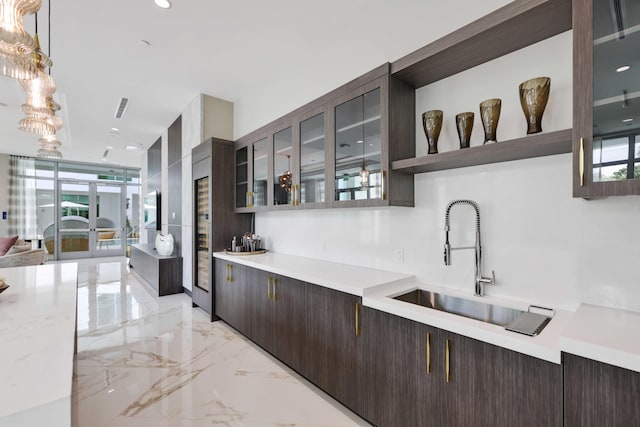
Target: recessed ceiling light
pixel 132 147
pixel 627 120
pixel 359 141
pixel 108 147
pixel 115 129
pixel 623 68
pixel 165 4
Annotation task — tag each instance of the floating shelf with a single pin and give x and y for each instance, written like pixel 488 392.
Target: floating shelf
pixel 539 145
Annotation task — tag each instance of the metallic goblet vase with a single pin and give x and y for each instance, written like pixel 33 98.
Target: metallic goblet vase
pixel 490 114
pixel 432 123
pixel 464 124
pixel 534 95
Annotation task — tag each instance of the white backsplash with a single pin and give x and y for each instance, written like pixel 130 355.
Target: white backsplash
pixel 545 246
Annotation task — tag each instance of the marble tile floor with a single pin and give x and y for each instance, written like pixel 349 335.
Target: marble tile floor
pixel 149 361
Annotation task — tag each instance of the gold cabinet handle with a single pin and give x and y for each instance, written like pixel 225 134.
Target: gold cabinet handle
pixel 581 162
pixel 298 194
pixel 226 267
pixel 447 361
pixel 249 199
pixel 358 318
pixel 428 352
pixel 230 273
pixel 268 287
pixel 274 282
pixel 383 176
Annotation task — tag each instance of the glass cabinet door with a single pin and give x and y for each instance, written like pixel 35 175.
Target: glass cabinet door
pixel 312 152
pixel 282 175
pixel 616 92
pixel 242 176
pixel 202 227
pixel 358 155
pixel 260 173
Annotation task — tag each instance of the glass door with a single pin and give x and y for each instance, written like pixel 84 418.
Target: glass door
pixel 89 220
pixel 202 227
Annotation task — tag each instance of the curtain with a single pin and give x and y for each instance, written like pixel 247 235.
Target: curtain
pixel 22 198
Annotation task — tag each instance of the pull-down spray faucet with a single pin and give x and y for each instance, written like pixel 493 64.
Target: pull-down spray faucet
pixel 480 280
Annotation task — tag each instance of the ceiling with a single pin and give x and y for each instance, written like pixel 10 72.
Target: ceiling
pixel 247 52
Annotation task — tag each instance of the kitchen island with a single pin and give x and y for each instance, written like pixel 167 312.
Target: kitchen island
pixel 37 344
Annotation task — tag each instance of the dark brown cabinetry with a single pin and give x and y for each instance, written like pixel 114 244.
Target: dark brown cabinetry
pixel 598 394
pixel 231 291
pixel 606 128
pixel 420 375
pixel 214 220
pixel 163 273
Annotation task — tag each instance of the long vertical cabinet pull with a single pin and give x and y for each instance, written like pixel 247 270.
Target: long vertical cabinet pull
pixel 269 287
pixel 383 178
pixel 274 282
pixel 230 273
pixel 428 352
pixel 581 161
pixel 358 318
pixel 448 361
pixel 226 267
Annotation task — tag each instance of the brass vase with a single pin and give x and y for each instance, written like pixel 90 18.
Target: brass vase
pixel 464 124
pixel 534 95
pixel 490 114
pixel 432 123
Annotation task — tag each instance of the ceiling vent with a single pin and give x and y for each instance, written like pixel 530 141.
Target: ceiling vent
pixel 105 154
pixel 121 107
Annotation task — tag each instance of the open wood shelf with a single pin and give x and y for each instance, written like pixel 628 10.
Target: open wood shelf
pixel 538 145
pixel 512 27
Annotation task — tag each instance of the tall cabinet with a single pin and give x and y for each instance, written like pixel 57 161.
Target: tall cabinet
pixel 214 220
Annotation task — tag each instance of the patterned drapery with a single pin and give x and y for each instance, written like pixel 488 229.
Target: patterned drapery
pixel 22 212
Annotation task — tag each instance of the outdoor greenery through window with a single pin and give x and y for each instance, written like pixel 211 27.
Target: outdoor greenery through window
pixel 616 158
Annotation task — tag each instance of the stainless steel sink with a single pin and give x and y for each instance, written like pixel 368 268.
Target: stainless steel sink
pixel 495 314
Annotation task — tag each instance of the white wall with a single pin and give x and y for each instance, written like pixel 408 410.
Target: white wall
pixel 545 246
pixel 4 192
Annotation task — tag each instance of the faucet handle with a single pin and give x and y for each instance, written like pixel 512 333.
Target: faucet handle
pixel 489 280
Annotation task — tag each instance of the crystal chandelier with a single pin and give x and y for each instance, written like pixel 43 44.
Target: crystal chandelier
pixel 49 148
pixel 16 45
pixel 37 110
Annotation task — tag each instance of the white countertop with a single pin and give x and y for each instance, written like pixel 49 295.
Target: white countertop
pixel 604 334
pixel 37 340
pixel 341 277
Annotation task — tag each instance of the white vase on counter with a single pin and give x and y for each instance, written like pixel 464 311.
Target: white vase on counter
pixel 164 244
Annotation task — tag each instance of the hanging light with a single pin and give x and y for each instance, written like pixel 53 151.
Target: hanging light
pixel 16 45
pixel 364 175
pixel 49 149
pixel 38 90
pixel 286 177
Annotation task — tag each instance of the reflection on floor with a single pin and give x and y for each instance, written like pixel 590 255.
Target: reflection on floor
pixel 149 361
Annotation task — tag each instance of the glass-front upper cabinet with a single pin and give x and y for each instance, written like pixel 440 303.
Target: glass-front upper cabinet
pixel 282 175
pixel 358 148
pixel 606 98
pixel 312 161
pixel 260 173
pixel 243 195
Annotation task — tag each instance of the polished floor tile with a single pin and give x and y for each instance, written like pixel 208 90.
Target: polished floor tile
pixel 149 361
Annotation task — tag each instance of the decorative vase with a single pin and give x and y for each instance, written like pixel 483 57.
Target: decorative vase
pixel 534 95
pixel 464 124
pixel 164 244
pixel 432 123
pixel 490 114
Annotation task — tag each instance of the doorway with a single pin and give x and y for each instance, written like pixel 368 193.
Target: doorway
pixel 90 220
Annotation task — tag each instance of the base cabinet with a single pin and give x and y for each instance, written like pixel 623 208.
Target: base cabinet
pixel 598 394
pixel 420 375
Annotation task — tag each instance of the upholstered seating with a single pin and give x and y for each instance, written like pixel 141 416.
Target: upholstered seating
pixel 20 253
pixel 74 241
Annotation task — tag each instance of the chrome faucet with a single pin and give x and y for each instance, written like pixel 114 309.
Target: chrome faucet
pixel 480 280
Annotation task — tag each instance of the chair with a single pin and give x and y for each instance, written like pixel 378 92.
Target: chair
pixel 105 237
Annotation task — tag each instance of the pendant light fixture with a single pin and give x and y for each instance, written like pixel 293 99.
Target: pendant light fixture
pixel 16 45
pixel 286 177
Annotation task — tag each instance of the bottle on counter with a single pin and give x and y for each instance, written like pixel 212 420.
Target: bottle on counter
pixel 233 244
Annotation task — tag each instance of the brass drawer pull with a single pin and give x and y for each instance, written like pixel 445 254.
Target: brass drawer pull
pixel 226 267
pixel 447 361
pixel 383 176
pixel 428 352
pixel 581 162
pixel 230 273
pixel 358 318
pixel 274 282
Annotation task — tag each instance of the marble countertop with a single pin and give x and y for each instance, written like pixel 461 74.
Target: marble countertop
pixel 340 277
pixel 37 341
pixel 594 332
pixel 604 334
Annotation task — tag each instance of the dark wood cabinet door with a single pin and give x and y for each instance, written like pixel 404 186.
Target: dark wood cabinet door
pixel 598 394
pixel 395 368
pixel 230 294
pixel 493 386
pixel 334 350
pixel 259 307
pixel 289 317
